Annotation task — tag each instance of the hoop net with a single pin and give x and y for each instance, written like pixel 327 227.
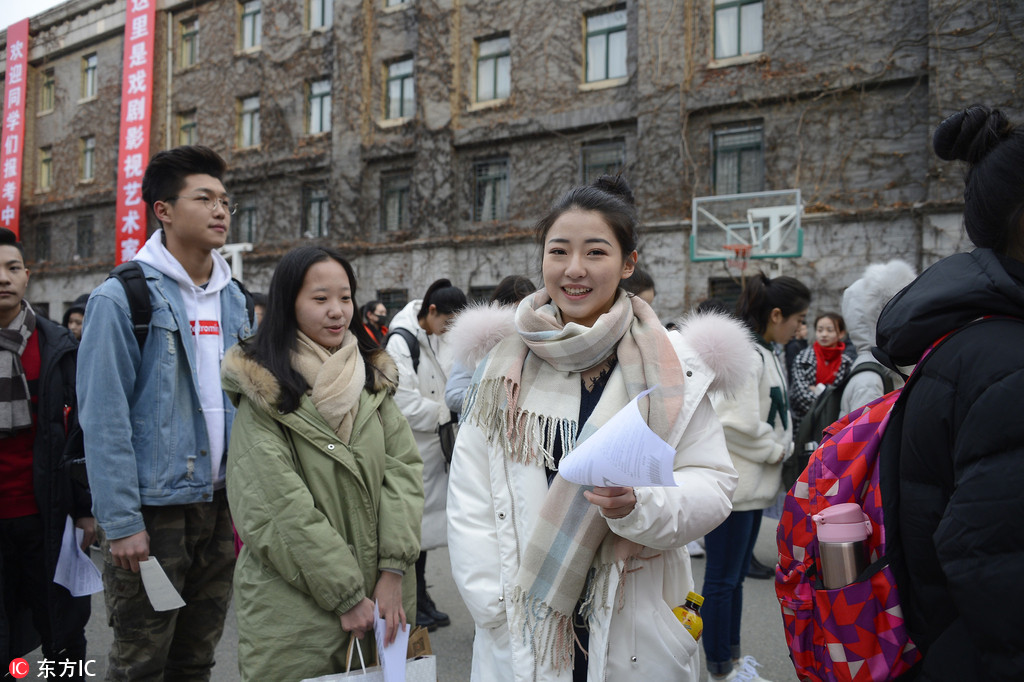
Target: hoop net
pixel 740 255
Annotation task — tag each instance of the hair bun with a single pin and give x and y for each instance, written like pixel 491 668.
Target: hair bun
pixel 970 134
pixel 617 185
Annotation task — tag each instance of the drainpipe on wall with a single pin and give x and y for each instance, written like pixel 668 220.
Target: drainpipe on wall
pixel 170 75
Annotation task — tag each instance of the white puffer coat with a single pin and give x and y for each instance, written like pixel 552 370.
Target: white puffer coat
pixel 493 505
pixel 420 397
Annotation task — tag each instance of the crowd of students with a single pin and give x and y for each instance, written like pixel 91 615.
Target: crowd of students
pixel 323 440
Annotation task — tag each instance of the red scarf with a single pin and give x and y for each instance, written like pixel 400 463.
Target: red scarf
pixel 829 360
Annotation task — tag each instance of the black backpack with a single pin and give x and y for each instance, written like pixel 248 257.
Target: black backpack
pixel 410 340
pixel 824 411
pixel 133 279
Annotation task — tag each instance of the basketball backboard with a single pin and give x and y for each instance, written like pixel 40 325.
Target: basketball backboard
pixel 767 222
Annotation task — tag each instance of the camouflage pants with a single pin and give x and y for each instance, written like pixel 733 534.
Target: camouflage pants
pixel 195 547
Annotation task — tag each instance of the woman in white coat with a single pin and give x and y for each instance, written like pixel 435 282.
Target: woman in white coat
pixel 420 398
pixel 549 569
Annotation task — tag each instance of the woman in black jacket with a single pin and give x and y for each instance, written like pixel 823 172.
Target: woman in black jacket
pixel 953 457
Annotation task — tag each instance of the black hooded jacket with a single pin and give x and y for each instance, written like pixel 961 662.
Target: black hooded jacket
pixel 952 471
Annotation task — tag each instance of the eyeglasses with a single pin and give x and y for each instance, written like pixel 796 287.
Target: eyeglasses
pixel 211 203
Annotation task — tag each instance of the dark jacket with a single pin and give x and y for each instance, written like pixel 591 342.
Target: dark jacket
pixel 953 467
pixel 58 477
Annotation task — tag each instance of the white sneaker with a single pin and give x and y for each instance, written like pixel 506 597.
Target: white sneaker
pixel 746 671
pixel 694 548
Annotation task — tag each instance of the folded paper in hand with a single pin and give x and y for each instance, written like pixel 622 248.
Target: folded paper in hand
pixel 623 452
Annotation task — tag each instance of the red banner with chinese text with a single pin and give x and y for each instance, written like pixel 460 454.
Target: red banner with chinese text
pixel 136 110
pixel 11 159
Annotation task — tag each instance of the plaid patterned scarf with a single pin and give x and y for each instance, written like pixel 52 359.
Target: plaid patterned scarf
pixel 526 397
pixel 15 400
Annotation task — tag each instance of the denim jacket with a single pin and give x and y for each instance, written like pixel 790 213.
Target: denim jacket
pixel 145 434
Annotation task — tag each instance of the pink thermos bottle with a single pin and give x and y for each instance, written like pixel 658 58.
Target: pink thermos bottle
pixel 842 533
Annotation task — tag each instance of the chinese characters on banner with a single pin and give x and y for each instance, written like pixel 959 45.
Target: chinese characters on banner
pixel 136 106
pixel 13 126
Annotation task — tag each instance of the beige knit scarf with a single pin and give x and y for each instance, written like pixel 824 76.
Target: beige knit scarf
pixel 336 377
pixel 527 396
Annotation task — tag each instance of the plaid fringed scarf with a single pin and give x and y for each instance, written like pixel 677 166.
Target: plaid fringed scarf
pixel 15 400
pixel 526 396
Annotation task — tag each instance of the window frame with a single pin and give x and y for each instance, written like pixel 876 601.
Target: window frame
pixel 90 69
pixel 496 58
pixel 47 91
pixel 490 179
pixel 725 5
pixel 314 106
pixel 718 135
pixel 252 20
pixel 607 33
pixel 188 42
pixel 85 224
pixel 326 14
pixel 599 146
pixel 403 79
pixel 45 177
pixel 188 127
pixel 248 121
pixel 87 158
pixel 319 197
pixel 43 242
pixel 404 221
pixel 247 220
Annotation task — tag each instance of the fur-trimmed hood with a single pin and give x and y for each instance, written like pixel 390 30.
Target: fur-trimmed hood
pixel 721 342
pixel 242 375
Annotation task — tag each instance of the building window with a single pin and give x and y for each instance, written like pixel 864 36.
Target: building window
pixel 249 121
pixel 493 69
pixel 738 160
pixel 319 105
pixel 251 27
pixel 45 168
pixel 394 201
pixel 738 27
pixel 400 97
pixel 317 213
pixel 490 197
pixel 89 63
pixel 606 45
pixel 87 158
pixel 604 158
pixel 394 3
pixel 42 243
pixel 246 221
pixel 46 91
pixel 393 299
pixel 83 237
pixel 187 127
pixel 189 41
pixel 320 13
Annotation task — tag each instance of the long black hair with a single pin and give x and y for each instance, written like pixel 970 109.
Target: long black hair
pixel 277 334
pixel 445 298
pixel 609 195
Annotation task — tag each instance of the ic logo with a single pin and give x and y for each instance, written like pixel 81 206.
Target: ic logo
pixel 19 668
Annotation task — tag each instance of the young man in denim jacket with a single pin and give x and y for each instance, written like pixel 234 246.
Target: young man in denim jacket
pixel 156 424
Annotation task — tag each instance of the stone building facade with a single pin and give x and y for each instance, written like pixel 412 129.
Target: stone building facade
pixel 424 138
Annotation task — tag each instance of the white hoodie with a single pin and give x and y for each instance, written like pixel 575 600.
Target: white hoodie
pixel 203 304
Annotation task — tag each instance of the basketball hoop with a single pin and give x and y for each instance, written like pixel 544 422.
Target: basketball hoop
pixel 740 255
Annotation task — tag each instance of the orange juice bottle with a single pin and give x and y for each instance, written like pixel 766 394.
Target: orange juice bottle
pixel 689 614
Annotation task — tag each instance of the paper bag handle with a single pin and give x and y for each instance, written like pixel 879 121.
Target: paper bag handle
pixel 348 662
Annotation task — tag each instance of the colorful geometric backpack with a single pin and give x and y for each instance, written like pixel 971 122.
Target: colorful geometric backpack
pixel 855 633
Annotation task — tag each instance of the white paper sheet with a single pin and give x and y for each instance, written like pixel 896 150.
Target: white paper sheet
pixel 159 589
pixel 623 452
pixel 75 570
pixel 392 658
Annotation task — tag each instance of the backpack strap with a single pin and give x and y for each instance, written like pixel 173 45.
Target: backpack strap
pixel 877 368
pixel 133 279
pixel 250 302
pixel 410 340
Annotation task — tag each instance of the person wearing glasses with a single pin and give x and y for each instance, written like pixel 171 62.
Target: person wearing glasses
pixel 156 424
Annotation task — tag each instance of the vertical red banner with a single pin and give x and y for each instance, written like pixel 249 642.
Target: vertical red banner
pixel 12 158
pixel 136 110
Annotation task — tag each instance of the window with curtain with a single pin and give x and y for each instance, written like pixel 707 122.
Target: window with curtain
pixel 493 69
pixel 319 105
pixel 603 158
pixel 738 27
pixel 490 190
pixel 606 45
pixel 739 160
pixel 394 201
pixel 400 96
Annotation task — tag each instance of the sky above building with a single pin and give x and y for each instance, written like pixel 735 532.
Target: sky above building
pixel 13 11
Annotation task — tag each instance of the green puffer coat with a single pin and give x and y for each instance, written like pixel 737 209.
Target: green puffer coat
pixel 319 519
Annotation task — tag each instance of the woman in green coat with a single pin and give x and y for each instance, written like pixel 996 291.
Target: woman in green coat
pixel 324 478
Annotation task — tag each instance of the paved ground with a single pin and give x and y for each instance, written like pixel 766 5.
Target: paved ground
pixel 763 636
